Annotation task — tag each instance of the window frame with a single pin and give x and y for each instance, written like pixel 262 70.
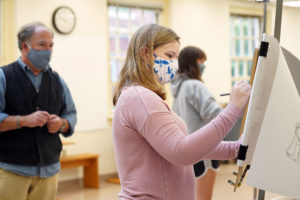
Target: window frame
pixel 247 60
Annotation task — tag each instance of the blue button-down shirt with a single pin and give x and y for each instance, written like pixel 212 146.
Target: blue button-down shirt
pixel 69 113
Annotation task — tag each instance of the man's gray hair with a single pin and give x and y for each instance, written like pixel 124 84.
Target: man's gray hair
pixel 27 31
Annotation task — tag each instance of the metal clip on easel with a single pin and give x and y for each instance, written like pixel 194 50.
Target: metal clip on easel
pixel 239 177
pixel 241 171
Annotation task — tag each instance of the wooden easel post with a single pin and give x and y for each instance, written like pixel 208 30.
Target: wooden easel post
pixel 253 70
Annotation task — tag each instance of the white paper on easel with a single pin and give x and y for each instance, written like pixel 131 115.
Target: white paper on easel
pixel 275 165
pixel 262 84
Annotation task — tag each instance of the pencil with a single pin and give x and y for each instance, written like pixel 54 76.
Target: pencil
pixel 224 94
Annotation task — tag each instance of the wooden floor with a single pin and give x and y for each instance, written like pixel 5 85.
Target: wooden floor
pixel 108 191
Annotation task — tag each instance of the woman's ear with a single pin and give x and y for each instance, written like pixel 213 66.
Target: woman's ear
pixel 144 53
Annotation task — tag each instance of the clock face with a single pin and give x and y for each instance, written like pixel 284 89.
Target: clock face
pixel 64 20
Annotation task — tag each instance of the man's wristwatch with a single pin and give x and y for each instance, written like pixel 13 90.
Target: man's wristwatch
pixel 62 126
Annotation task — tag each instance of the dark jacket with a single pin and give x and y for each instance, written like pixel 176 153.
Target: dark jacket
pixel 31 146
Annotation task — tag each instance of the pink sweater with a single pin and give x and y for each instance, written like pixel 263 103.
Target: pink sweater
pixel 154 152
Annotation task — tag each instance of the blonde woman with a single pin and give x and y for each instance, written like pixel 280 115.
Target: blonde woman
pixel 154 153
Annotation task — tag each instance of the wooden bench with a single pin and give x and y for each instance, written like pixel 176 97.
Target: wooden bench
pixel 90 167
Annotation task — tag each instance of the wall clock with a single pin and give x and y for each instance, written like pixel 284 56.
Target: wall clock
pixel 64 20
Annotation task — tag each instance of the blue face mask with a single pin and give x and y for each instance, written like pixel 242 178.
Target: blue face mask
pixel 201 67
pixel 39 58
pixel 164 70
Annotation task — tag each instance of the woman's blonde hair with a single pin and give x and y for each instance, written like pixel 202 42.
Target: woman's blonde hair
pixel 136 71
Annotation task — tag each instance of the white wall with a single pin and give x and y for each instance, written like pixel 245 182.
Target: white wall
pixel 81 58
pixel 290 30
pixel 205 24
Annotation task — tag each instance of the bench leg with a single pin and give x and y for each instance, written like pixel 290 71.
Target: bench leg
pixel 90 174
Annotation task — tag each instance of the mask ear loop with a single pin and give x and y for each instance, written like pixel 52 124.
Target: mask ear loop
pixel 28 45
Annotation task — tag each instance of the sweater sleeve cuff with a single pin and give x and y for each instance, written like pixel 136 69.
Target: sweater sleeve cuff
pixel 72 122
pixel 236 111
pixel 235 150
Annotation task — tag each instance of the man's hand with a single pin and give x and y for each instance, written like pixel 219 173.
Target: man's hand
pixel 54 123
pixel 38 118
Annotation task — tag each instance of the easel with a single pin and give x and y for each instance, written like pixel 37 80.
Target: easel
pixel 279 3
pixel 278 17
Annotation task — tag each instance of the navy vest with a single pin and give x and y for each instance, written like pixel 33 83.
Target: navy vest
pixel 31 146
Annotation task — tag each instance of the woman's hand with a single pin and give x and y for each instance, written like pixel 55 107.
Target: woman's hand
pixel 240 94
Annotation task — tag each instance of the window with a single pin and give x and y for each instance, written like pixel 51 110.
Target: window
pixel 245 35
pixel 123 22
